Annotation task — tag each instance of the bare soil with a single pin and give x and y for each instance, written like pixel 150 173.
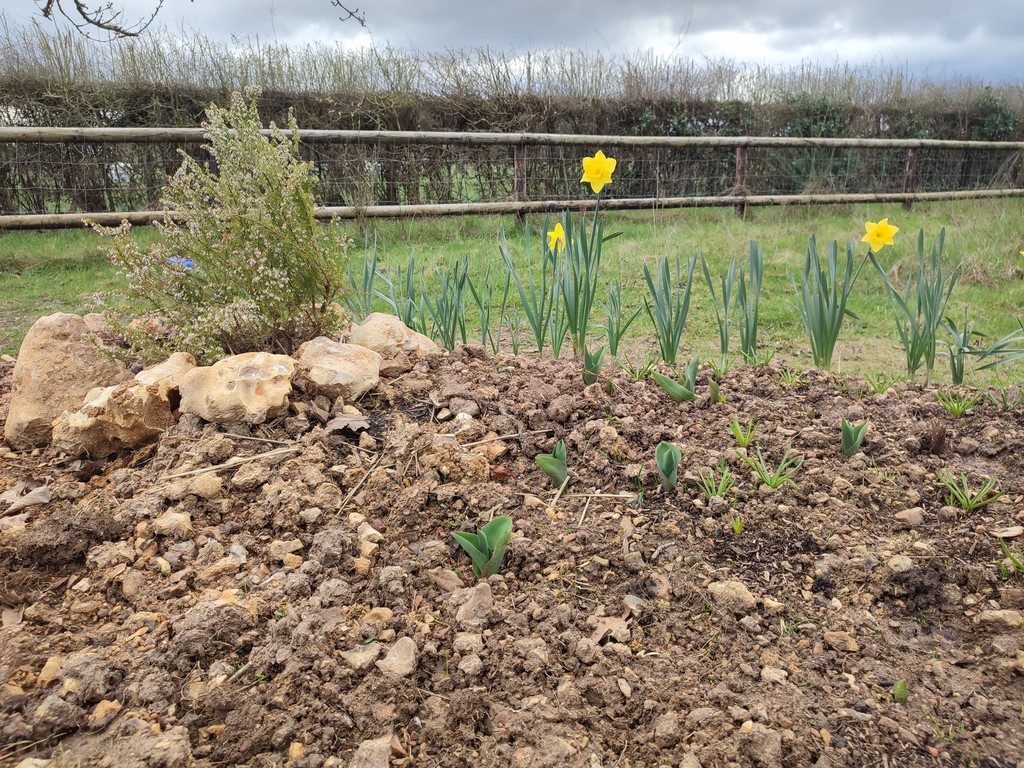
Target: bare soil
pixel 294 607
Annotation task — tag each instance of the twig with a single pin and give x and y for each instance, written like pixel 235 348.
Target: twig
pixel 234 462
pixel 623 495
pixel 238 673
pixel 259 439
pixel 585 508
pixel 362 480
pixel 506 437
pixel 559 494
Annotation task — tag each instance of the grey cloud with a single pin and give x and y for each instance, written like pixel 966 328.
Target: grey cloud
pixel 983 38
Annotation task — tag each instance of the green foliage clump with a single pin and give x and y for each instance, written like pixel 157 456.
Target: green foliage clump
pixel 487 546
pixel 243 264
pixel 992 119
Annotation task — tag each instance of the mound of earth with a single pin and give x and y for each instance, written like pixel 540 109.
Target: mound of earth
pixel 292 595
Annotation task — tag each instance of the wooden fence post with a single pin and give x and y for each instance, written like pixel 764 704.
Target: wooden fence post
pixel 740 188
pixel 908 177
pixel 519 175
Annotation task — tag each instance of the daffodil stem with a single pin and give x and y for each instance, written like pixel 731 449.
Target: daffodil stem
pixel 593 225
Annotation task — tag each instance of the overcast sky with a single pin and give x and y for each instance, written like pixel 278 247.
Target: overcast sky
pixel 937 39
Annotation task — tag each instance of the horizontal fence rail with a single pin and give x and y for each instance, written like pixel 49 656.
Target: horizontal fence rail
pixel 60 177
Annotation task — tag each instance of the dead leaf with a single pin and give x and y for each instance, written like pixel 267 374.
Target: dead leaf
pixel 20 488
pixel 664 589
pixel 346 421
pixel 321 414
pixel 1010 532
pixel 13 522
pixel 605 625
pixel 12 616
pixel 397 747
pixel 40 495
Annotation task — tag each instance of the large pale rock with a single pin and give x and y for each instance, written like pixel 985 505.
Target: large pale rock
pixel 391 337
pixel 244 389
pixel 168 373
pixel 334 369
pixel 113 419
pixel 59 363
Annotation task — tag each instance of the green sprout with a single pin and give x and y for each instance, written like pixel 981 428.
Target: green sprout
pixel 781 475
pixel 737 525
pixel 961 495
pixel 712 485
pixel 680 391
pixel 957 402
pixel 789 377
pixel 592 365
pixel 487 546
pixel 901 692
pixel 554 464
pixel 853 435
pixel 881 382
pixel 639 371
pixel 1015 559
pixel 1006 399
pixel 668 456
pixel 744 435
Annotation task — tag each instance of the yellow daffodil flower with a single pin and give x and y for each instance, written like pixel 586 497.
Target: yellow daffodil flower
pixel 556 238
pixel 877 235
pixel 598 171
pixel 1022 253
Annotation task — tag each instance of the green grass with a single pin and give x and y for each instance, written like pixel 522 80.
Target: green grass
pixel 62 271
pixel 46 272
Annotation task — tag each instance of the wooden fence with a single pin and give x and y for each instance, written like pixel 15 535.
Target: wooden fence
pixel 72 174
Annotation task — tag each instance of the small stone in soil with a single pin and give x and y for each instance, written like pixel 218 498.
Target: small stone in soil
pixel 900 563
pixel 401 659
pixel 732 595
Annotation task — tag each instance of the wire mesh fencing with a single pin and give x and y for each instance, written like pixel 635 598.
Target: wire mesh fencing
pixel 57 177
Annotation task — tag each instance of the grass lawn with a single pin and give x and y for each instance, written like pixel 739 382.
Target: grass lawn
pixel 67 271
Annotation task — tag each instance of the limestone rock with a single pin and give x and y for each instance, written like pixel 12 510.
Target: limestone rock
pixel 477 605
pixel 401 659
pixel 243 389
pixel 372 753
pixel 774 675
pixel 209 485
pixel 362 656
pixel 336 370
pixel 1007 619
pixel 115 418
pixel 169 372
pixel 911 518
pixel 390 337
pixel 472 665
pixel 733 595
pixel 59 363
pixel 900 563
pixel 842 641
pixel 667 731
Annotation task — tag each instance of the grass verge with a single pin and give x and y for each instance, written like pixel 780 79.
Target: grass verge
pixel 66 271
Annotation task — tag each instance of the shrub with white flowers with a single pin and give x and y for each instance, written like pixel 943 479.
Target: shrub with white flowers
pixel 243 264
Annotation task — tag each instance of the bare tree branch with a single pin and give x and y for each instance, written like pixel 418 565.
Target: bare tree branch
pixel 350 14
pixel 109 19
pixel 105 17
